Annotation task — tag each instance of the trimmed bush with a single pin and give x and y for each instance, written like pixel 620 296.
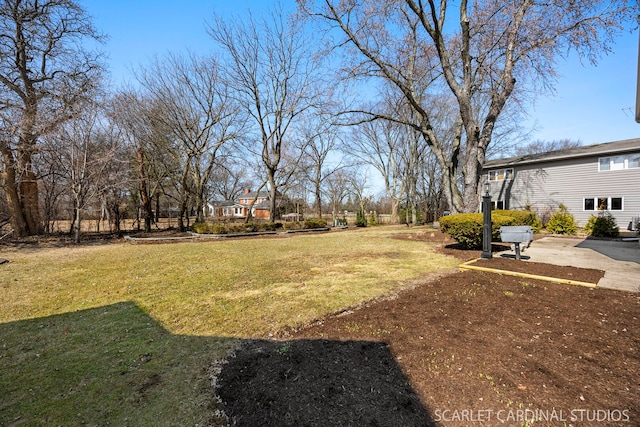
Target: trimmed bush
pixel 315 223
pixel 562 222
pixel 255 227
pixel 526 217
pixel 466 229
pixel 200 228
pixel 361 219
pixel 218 229
pixel 602 225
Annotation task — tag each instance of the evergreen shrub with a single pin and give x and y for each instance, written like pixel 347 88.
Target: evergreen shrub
pixel 562 222
pixel 602 225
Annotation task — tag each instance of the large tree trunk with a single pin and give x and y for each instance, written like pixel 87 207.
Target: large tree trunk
pixel 30 201
pixel 10 185
pixel 26 147
pixel 395 204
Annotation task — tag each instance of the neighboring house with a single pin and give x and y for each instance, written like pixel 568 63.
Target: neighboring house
pixel 240 209
pixel 226 209
pixel 585 179
pixel 260 208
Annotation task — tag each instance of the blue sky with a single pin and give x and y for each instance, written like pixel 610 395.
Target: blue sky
pixel 592 104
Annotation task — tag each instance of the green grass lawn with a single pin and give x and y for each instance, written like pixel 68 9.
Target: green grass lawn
pixel 124 334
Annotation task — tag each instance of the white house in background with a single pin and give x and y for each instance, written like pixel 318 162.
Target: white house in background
pixel 585 179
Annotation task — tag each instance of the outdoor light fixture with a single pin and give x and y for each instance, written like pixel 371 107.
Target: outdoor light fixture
pixel 487 188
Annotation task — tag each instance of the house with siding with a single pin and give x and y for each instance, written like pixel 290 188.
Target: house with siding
pixel 585 179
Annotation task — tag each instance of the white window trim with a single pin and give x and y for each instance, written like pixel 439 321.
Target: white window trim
pixel 612 158
pixel 595 203
pixel 504 175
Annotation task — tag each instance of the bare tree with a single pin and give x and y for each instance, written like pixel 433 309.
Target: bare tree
pixel 44 74
pixel 271 68
pixel 86 147
pixel 195 108
pixel 321 156
pixel 52 183
pixel 539 146
pixel 230 179
pixel 148 146
pixel 476 56
pixel 377 143
pixel 337 190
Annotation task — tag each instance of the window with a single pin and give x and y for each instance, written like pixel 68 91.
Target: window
pixel 603 203
pixel 508 173
pixel 617 163
pixel 589 205
pixel 616 203
pixel 500 174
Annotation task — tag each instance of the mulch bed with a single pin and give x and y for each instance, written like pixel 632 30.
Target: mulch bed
pixel 470 348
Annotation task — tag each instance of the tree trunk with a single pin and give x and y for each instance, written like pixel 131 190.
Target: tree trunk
pixel 451 191
pixel 10 185
pixel 395 204
pixel 272 194
pixel 318 192
pixel 157 208
pixel 181 217
pixel 144 192
pixel 30 202
pixel 76 234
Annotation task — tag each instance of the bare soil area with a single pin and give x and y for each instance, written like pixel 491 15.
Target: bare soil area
pixel 468 349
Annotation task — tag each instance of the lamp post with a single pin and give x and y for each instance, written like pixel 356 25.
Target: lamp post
pixel 486 222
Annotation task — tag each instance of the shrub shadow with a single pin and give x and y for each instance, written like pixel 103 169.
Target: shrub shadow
pixel 318 383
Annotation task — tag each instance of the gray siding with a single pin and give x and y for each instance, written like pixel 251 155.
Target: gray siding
pixel 544 186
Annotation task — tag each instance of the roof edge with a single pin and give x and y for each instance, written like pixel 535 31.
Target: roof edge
pixel 614 147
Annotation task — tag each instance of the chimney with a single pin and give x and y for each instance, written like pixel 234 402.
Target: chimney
pixel 247 190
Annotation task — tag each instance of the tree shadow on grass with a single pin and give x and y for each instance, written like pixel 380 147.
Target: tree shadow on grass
pixel 318 383
pixel 111 365
pixel 116 365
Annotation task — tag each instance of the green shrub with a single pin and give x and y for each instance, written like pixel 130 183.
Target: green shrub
pixel 296 225
pixel 218 229
pixel 602 225
pixel 526 217
pixel 268 226
pixel 315 223
pixel 200 228
pixel 562 222
pixel 372 219
pixel 466 229
pixel 361 219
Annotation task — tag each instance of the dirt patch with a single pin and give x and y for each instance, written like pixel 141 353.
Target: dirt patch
pixel 470 348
